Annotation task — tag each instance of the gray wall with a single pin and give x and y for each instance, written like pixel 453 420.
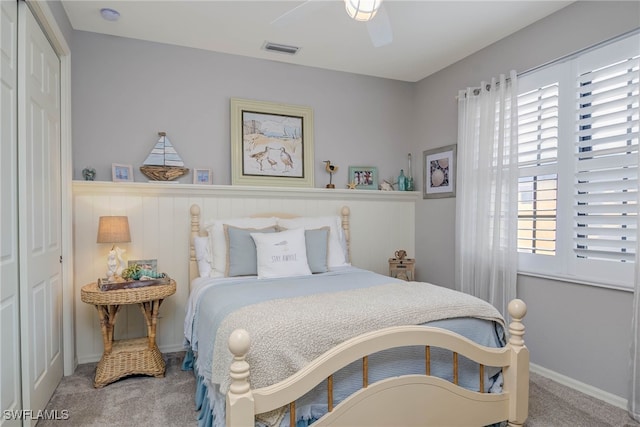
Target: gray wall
pixel 586 326
pixel 125 91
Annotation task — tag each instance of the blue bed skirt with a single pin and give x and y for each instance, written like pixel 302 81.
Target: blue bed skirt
pixel 202 402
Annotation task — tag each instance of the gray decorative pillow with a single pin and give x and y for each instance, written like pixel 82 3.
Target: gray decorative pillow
pixel 241 250
pixel 317 242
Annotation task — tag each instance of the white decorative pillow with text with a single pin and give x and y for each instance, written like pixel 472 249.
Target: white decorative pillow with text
pixel 281 254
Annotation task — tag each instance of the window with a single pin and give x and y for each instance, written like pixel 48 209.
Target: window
pixel 578 160
pixel 538 164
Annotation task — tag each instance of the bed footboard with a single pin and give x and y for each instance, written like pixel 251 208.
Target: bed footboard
pixel 406 400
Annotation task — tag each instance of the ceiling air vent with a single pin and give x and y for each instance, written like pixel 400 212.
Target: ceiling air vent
pixel 281 48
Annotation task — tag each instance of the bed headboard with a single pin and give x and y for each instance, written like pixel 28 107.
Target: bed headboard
pixel 197 230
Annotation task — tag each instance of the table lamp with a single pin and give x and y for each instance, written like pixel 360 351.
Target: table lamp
pixel 114 229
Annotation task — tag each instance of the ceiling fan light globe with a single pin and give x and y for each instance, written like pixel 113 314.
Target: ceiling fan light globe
pixel 362 10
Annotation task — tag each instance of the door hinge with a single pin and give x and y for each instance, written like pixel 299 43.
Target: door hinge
pixel 60 259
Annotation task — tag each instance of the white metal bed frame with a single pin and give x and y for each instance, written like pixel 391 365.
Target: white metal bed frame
pixel 409 400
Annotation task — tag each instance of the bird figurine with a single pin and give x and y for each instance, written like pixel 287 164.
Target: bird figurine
pixel 286 159
pixel 331 169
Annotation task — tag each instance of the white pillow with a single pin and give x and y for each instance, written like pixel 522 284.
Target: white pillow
pixel 203 255
pixel 281 254
pixel 337 242
pixel 218 242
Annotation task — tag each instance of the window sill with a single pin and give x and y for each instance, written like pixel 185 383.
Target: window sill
pixel 578 281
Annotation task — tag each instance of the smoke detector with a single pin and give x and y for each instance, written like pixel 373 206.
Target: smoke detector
pixel 109 14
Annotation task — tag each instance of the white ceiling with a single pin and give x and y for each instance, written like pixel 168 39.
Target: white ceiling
pixel 427 35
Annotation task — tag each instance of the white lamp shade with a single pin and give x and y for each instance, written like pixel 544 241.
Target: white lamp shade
pixel 362 10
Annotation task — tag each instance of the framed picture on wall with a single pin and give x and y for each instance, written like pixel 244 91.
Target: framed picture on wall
pixel 364 177
pixel 271 144
pixel 202 176
pixel 439 170
pixel 121 173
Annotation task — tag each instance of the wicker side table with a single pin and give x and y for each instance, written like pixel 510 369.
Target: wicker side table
pixel 402 268
pixel 122 358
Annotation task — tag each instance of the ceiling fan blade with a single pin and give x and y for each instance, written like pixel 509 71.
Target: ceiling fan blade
pixel 379 28
pixel 300 11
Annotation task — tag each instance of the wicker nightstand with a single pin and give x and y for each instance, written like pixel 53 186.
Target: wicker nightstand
pixel 402 268
pixel 132 356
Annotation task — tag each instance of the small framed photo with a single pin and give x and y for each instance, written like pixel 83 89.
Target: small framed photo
pixel 145 264
pixel 364 177
pixel 439 171
pixel 121 173
pixel 202 176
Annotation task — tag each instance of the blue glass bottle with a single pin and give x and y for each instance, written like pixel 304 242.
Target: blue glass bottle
pixel 402 181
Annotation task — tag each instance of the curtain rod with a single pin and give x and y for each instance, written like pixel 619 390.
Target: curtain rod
pixel 581 51
pixel 476 90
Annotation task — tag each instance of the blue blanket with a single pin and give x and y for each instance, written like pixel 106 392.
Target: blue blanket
pixel 220 297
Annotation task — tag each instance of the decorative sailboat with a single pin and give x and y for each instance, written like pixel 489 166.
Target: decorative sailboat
pixel 163 163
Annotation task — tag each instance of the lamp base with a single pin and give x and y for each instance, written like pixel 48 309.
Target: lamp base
pixel 115 263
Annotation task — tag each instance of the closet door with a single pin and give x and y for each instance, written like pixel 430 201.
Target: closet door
pixel 10 390
pixel 39 191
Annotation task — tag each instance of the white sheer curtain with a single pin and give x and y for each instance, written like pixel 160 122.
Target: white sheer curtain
pixel 487 192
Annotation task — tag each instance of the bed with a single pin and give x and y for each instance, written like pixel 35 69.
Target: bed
pixel 326 343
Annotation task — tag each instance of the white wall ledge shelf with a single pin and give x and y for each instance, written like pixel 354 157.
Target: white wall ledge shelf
pixel 191 190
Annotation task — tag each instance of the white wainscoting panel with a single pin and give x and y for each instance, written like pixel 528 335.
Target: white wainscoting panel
pixel 159 221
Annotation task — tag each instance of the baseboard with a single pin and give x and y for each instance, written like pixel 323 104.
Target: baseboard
pixel 176 348
pixel 89 358
pixel 587 389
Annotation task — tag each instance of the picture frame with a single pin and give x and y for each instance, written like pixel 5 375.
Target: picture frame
pixel 121 172
pixel 364 177
pixel 271 144
pixel 146 264
pixel 202 176
pixel 439 172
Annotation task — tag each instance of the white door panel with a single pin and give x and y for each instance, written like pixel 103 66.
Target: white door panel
pixel 10 386
pixel 40 219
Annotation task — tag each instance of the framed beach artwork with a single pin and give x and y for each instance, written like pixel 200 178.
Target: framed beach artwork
pixel 439 170
pixel 364 177
pixel 271 144
pixel 202 176
pixel 121 173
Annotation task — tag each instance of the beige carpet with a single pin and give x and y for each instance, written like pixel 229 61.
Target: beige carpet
pixel 168 401
pixel 133 401
pixel 552 404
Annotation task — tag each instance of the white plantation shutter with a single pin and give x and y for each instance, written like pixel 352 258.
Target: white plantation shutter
pixel 538 165
pixel 578 161
pixel 606 158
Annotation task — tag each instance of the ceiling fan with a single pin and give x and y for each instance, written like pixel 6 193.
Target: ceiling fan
pixel 373 12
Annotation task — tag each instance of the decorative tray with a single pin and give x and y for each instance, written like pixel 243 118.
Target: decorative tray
pixel 105 285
